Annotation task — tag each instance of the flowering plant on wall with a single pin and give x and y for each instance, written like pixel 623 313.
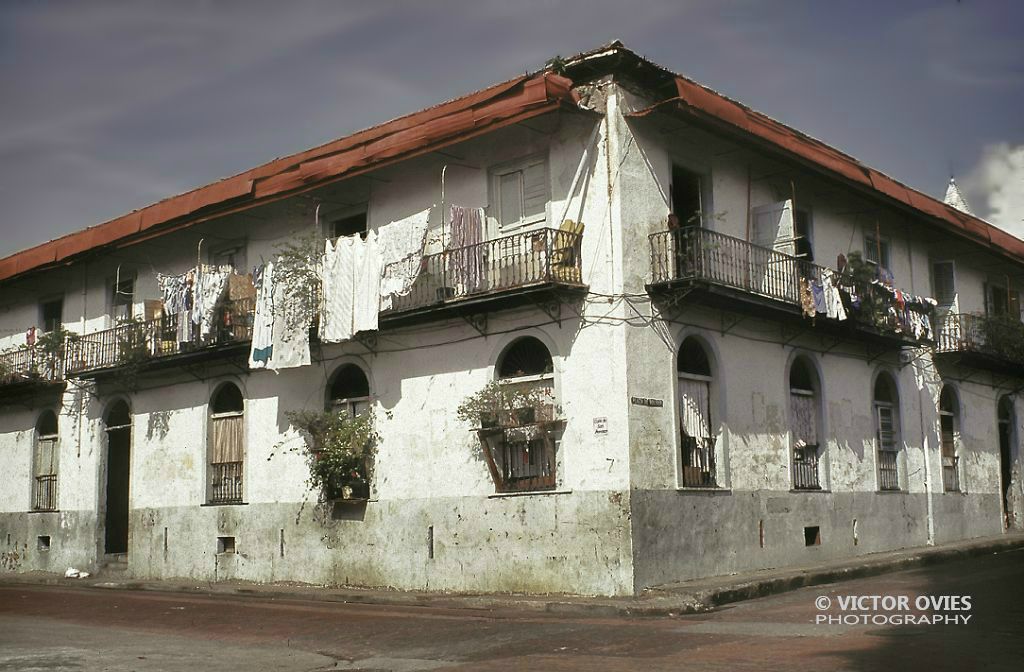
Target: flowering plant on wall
pixel 339 451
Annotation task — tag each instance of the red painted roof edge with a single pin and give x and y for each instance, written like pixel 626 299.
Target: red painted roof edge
pixel 432 127
pixel 704 101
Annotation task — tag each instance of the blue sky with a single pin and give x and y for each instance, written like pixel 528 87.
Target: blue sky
pixel 108 107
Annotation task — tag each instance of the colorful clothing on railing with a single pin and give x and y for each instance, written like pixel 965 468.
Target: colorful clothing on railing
pixel 466 263
pixel 834 308
pixel 177 297
pixel 401 246
pixel 807 298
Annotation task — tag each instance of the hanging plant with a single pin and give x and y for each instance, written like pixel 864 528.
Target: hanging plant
pixel 297 269
pixel 339 451
pixel 501 404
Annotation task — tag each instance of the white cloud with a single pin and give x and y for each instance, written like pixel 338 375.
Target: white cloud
pixel 997 186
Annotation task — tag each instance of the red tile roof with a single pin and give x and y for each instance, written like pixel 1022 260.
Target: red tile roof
pixel 418 133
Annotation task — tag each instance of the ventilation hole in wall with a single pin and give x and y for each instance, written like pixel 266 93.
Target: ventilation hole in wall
pixel 225 544
pixel 430 542
pixel 812 536
pixel 43 542
pixel 760 532
pixel 281 542
pixel 8 540
pixel 855 539
pixel 165 540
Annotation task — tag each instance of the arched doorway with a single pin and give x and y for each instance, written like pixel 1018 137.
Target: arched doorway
pixel 1006 437
pixel 118 424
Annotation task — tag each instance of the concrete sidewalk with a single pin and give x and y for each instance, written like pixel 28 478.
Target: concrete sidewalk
pixel 687 597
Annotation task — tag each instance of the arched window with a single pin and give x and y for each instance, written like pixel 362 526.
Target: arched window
pixel 887 431
pixel 697 442
pixel 44 468
pixel 524 457
pixel 349 391
pixel 227 444
pixel 804 391
pixel 949 427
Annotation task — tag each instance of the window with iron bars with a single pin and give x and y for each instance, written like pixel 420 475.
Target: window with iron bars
pixel 44 482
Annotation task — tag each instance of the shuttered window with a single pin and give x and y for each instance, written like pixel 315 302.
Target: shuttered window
pixel 943 283
pixel 521 193
pixel 45 485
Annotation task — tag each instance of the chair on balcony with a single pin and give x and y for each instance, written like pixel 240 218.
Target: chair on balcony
pixel 564 266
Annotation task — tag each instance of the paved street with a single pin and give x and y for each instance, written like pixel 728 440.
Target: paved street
pixel 57 628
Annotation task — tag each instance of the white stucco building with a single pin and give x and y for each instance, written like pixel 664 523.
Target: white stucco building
pixel 712 421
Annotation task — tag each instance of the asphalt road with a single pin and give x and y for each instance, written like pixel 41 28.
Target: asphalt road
pixel 58 628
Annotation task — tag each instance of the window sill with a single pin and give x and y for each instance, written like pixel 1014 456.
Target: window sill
pixel 225 504
pixel 44 511
pixel 717 490
pixel 815 491
pixel 901 491
pixel 527 493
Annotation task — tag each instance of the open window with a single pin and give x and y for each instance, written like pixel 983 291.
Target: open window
pixel 876 251
pixel 520 443
pixel 949 430
pixel 348 225
pixel 349 391
pixel 687 196
pixel 887 431
pixel 122 299
pixel 44 463
pixel 227 445
pixel 944 284
pixel 1001 301
pixel 697 441
pixel 804 402
pixel 51 314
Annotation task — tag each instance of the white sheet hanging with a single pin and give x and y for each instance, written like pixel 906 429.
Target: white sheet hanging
pixel 290 334
pixel 366 284
pixel 207 290
pixel 262 347
pixel 401 251
pixel 337 287
pixel 694 401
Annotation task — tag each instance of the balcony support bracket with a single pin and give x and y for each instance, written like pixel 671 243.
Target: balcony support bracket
pixel 368 339
pixel 552 308
pixel 729 321
pixel 478 321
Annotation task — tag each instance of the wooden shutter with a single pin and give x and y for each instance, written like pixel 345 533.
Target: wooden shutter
pixel 535 191
pixel 886 428
pixel 773 227
pixel 943 283
pixel 694 407
pixel 804 418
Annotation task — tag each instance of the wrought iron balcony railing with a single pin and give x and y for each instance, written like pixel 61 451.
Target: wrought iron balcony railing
pixel 31 364
pixel 135 343
pixel 538 257
pixel 1000 337
pixel 695 255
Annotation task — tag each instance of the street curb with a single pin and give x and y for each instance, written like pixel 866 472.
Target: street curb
pixel 674 600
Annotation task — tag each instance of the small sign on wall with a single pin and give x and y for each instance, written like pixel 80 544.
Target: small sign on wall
pixel 600 425
pixel 646 401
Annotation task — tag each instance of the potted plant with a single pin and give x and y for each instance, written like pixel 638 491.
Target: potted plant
pixel 339 451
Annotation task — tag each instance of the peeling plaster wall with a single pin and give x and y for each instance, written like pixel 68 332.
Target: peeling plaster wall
pixel 681 533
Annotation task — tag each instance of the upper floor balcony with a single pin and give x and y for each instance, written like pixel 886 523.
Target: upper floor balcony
pixel 38 365
pixel 531 266
pixel 164 340
pixel 722 271
pixel 987 342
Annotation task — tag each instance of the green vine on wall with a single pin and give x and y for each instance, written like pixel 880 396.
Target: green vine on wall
pixel 339 450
